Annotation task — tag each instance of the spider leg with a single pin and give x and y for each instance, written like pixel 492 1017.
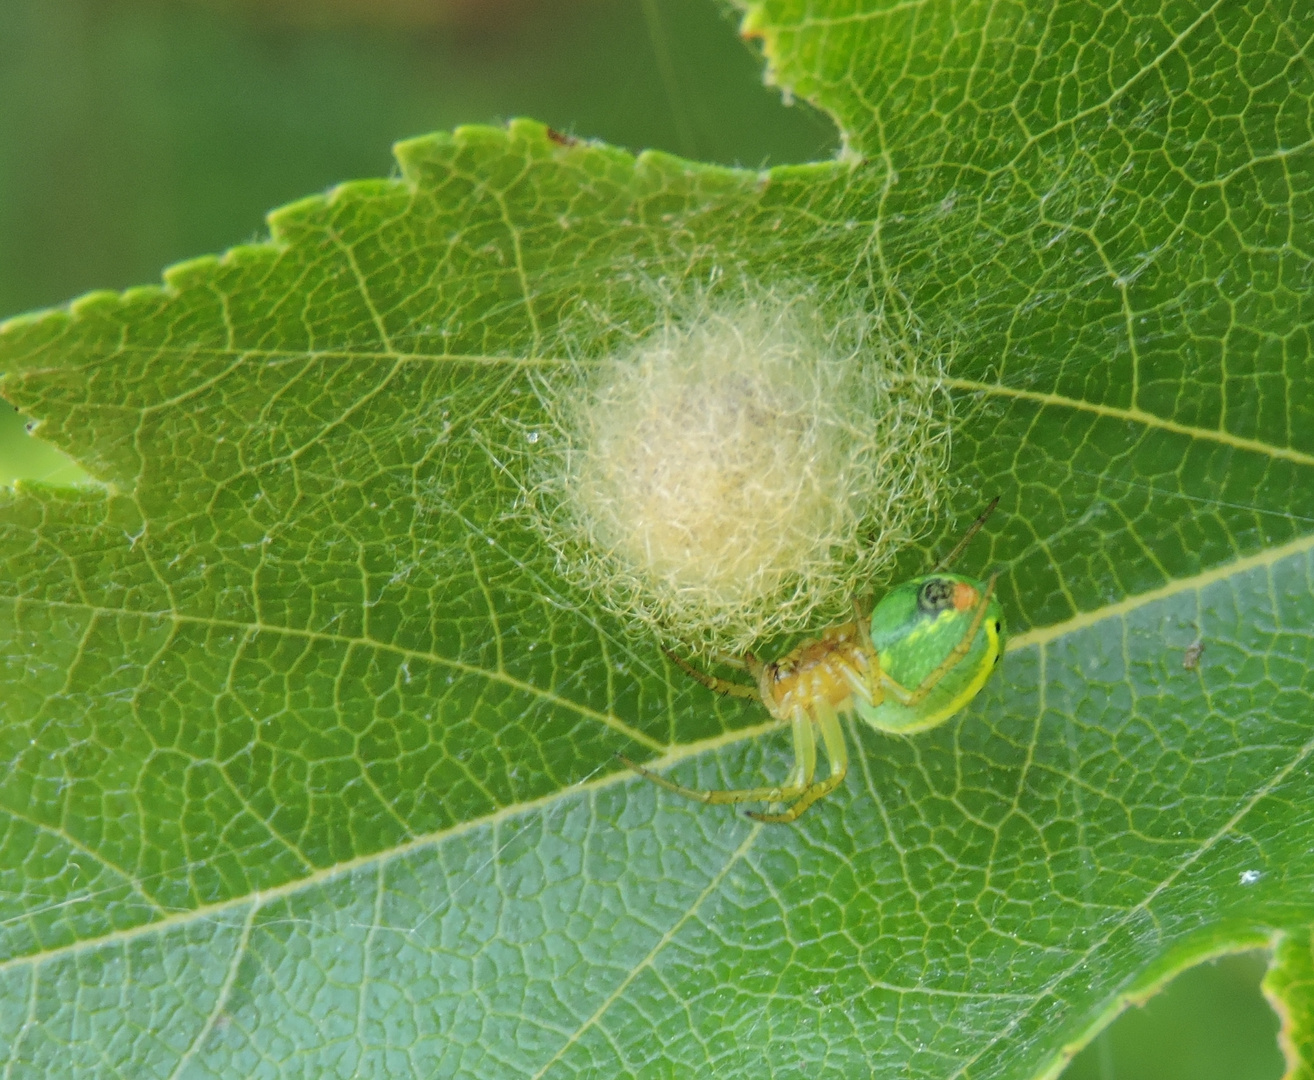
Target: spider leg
pixel 972 530
pixel 866 689
pixel 805 752
pixel 836 750
pixel 717 686
pixel 747 662
pixel 798 782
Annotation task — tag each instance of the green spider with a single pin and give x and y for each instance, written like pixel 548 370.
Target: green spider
pixel 940 635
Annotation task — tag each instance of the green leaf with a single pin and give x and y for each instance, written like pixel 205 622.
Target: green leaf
pixel 1289 985
pixel 311 751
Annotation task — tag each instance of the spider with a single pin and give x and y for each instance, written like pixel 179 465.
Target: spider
pixel 921 655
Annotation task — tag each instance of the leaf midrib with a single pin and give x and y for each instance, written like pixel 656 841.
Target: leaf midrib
pixel 1132 414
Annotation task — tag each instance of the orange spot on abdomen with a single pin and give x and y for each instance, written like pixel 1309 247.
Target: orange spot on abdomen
pixel 965 597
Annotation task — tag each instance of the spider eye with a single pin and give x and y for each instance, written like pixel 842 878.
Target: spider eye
pixel 935 595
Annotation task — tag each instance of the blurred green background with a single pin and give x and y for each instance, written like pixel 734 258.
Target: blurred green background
pixel 137 133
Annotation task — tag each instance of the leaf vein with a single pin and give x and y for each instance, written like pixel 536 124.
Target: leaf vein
pixel 221 998
pixel 658 946
pixel 1135 416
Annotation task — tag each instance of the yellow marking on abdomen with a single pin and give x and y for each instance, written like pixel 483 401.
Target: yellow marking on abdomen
pixel 970 690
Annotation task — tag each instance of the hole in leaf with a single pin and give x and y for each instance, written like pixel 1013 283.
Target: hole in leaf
pixel 24 458
pixel 1209 1023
